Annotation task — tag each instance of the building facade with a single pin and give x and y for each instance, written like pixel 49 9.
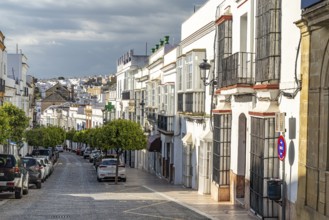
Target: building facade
pixel 313 164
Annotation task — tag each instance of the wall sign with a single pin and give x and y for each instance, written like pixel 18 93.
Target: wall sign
pixel 282 147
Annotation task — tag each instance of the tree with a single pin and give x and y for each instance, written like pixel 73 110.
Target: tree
pixel 69 136
pixel 34 137
pixel 18 121
pixel 4 126
pixel 122 135
pixel 45 136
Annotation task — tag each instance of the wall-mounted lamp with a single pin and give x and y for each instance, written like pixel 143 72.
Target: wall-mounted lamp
pixel 204 73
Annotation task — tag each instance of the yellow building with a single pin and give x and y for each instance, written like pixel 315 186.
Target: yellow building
pixel 313 169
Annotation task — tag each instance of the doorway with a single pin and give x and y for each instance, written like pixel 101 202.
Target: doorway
pixel 240 182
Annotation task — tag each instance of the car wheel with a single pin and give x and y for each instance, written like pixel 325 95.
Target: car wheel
pixel 26 190
pixel 38 185
pixel 124 179
pixel 99 179
pixel 18 193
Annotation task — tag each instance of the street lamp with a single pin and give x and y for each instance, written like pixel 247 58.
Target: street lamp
pixel 204 73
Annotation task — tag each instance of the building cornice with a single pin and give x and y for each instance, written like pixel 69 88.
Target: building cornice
pixel 208 28
pixel 168 67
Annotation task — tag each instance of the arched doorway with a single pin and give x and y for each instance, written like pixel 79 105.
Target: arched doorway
pixel 241 172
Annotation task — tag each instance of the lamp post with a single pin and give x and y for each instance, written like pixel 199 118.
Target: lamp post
pixel 204 73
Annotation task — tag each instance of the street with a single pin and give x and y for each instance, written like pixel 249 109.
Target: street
pixel 72 192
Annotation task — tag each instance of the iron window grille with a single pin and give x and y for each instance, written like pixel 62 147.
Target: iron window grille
pixel 222 149
pixel 268 40
pixel 264 164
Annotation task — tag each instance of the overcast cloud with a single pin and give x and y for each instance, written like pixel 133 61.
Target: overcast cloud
pixel 86 37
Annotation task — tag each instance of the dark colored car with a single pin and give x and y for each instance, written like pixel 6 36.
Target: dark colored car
pixel 34 169
pixel 13 175
pixel 44 152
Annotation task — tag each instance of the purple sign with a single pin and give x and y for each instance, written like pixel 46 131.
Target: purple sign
pixel 282 147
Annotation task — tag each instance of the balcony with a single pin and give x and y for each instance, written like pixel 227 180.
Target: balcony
pixel 151 116
pixel 127 95
pixel 166 124
pixel 238 69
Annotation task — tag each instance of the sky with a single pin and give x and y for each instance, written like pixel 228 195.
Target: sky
pixel 73 38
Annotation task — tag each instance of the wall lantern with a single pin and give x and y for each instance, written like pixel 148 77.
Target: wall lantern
pixel 204 73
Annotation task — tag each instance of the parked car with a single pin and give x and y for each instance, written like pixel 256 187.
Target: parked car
pixel 44 152
pixel 34 168
pixel 93 155
pixel 59 148
pixel 86 153
pixel 13 175
pixel 107 168
pixel 98 160
pixel 50 165
pixel 80 150
pixel 45 169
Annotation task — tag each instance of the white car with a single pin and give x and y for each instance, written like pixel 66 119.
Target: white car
pixel 106 170
pixel 59 148
pixel 43 168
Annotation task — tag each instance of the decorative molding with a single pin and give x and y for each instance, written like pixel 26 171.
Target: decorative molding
pixel 168 67
pixel 266 86
pixel 208 28
pixel 223 18
pixel 261 114
pixel 218 111
pixel 241 3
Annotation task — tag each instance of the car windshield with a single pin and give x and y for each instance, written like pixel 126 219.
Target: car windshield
pixel 7 161
pixel 40 152
pixel 29 162
pixel 109 162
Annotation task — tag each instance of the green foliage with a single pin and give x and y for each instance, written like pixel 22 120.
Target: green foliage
pixel 70 134
pixel 45 136
pixel 4 126
pixel 17 119
pixel 122 135
pixel 33 137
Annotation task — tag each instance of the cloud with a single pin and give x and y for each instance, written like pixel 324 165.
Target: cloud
pixel 79 37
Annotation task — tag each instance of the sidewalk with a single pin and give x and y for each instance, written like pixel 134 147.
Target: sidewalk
pixel 202 204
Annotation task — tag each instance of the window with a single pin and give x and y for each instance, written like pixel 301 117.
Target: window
pixel 171 99
pixel 153 94
pixel 264 164
pixel 180 102
pixel 189 73
pixel 179 74
pixel 222 149
pixel 268 38
pixel 189 102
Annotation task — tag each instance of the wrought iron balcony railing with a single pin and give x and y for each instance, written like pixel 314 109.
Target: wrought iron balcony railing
pixel 238 69
pixel 166 123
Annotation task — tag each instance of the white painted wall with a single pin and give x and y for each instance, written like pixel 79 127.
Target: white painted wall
pixel 290 38
pixel 200 18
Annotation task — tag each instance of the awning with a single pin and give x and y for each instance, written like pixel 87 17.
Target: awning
pixel 187 139
pixel 207 136
pixel 154 143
